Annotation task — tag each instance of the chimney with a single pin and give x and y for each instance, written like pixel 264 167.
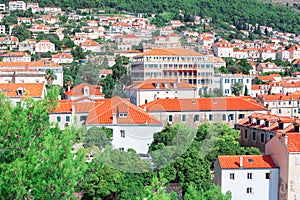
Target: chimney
pixel 241 162
pixel 114 118
pixel 284 138
pixel 73 110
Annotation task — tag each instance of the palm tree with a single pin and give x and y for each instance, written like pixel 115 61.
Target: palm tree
pixel 50 75
pixel 68 82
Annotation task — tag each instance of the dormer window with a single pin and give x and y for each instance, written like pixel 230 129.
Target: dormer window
pixel 296 128
pixel 257 121
pixel 20 91
pixel 123 115
pixel 266 123
pixel 86 91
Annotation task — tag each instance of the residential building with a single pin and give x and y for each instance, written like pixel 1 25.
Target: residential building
pixel 195 68
pixel 267 53
pixel 16 5
pixel 16 57
pixel 126 42
pixel 193 111
pixel 2 7
pixel 44 46
pixel 27 45
pixel 142 92
pixel 34 6
pixel 22 76
pixel 223 49
pixel 259 89
pixel 259 128
pixel 294 52
pixel 224 82
pixel 9 42
pixel 62 58
pixel 247 176
pixel 91 45
pixel 268 67
pixel 285 150
pixel 2 30
pixel 104 72
pixel 16 92
pixel 38 28
pixel 283 55
pixel 41 65
pixel 281 104
pixel 132 127
pixel 85 90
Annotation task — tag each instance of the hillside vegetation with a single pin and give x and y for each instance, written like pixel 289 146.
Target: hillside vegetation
pixel 279 17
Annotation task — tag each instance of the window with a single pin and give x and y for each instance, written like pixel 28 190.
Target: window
pixel 231 117
pixel 121 149
pixel 297 196
pixel 122 133
pixel 55 77
pixel 224 117
pixel 254 136
pixel 297 160
pixel 241 116
pixel 58 119
pixel 170 118
pixel 231 176
pixel 298 110
pixel 211 117
pixel 83 118
pixel 196 118
pixel 262 138
pixel 123 115
pixel 249 175
pixel 279 111
pixel 67 118
pixel 268 175
pixel 146 101
pixel 246 134
pixel 290 102
pixel 227 91
pixel 226 80
pixel 249 190
pixel 183 118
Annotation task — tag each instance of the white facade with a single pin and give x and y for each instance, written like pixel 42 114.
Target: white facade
pixel 17 5
pixel 261 188
pixel 225 81
pixel 44 46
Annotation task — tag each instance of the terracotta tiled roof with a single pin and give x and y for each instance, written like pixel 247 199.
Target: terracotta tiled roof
pixel 293 142
pixel 276 97
pixel 62 55
pixel 63 106
pixel 15 54
pixel 150 84
pixel 40 63
pixel 89 42
pixel 104 109
pixel 78 90
pixel 29 89
pixel 249 162
pixel 205 104
pixel 105 71
pixel 170 52
pixel 266 78
pixel 130 36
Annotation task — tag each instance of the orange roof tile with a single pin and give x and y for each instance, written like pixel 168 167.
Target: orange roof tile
pixel 30 89
pixel 151 84
pixel 170 52
pixel 78 90
pixel 249 162
pixel 104 109
pixel 62 55
pixel 222 103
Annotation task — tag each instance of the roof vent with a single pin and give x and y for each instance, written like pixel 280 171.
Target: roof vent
pixel 193 101
pixel 250 160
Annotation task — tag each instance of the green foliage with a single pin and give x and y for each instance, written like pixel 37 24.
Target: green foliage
pixel 118 68
pixel 50 76
pixel 36 158
pixel 237 88
pixel 99 137
pixel 87 73
pixel 212 194
pixel 78 53
pixel 21 32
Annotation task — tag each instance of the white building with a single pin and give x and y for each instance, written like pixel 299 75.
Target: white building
pixel 247 177
pixel 17 5
pixel 132 127
pixel 223 49
pixel 142 92
pixel 285 150
pixel 225 82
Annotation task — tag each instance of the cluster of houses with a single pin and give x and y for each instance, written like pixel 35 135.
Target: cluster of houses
pixel 167 79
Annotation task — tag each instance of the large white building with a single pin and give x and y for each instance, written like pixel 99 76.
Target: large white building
pixel 195 68
pixel 142 92
pixel 17 5
pixel 247 177
pixel 225 82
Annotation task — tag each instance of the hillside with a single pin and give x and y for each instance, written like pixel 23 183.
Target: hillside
pixel 280 17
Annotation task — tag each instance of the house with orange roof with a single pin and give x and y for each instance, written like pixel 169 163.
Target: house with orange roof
pixel 91 45
pixel 41 65
pixel 176 23
pixel 294 52
pixel 142 92
pixel 219 62
pixel 187 65
pixel 281 104
pixel 16 57
pixel 92 23
pixel 258 129
pixel 125 42
pixel 266 53
pixel 34 6
pixel 223 49
pixel 62 58
pixel 283 55
pixel 121 27
pixel 44 46
pixel 16 5
pixel 268 67
pixel 132 127
pixel 27 45
pixel 247 176
pixel 259 89
pixel 194 111
pixel 17 92
pixel 10 42
pixel 37 28
pixel 285 150
pixel 85 90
